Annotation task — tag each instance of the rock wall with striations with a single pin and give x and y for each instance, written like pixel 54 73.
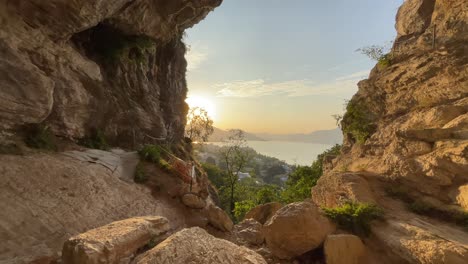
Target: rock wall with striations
pixel 416 108
pixel 406 139
pixel 111 65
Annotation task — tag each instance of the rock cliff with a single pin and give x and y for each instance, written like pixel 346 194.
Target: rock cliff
pixel 406 138
pixel 111 65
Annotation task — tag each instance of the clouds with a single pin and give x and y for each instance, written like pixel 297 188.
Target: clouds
pixel 195 57
pixel 293 88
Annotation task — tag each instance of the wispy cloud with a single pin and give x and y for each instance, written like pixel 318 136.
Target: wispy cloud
pixel 195 57
pixel 261 87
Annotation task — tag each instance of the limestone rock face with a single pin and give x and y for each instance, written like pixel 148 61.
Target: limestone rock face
pixel 249 231
pixel 264 212
pixel 295 229
pixel 195 245
pixel 115 242
pixel 417 106
pixel 113 65
pixel 344 249
pixel 48 198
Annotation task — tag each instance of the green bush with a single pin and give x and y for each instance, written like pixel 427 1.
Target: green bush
pixel 357 121
pixel 242 208
pixel 40 137
pixel 354 217
pixel 96 140
pixel 455 216
pixel 151 153
pixel 385 60
pixel 164 165
pixel 140 175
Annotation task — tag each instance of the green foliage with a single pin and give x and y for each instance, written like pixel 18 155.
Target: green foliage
pixel 377 53
pixel 299 183
pixel 164 165
pixel 385 60
pixel 40 137
pixel 354 217
pixel 215 174
pixel 151 153
pixel 96 140
pixel 120 46
pixel 140 175
pixel 268 194
pixel 357 121
pixel 152 243
pixel 303 178
pixel 242 208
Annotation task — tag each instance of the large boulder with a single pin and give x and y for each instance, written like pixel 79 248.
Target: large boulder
pixel 344 249
pixel 196 246
pixel 334 188
pixel 295 229
pixel 249 231
pixel 264 212
pixel 218 218
pixel 114 242
pixel 193 200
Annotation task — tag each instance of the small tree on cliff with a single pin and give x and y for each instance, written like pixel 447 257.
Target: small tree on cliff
pixel 199 126
pixel 235 156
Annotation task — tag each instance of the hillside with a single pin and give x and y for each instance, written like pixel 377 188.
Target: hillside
pixel 331 137
pixel 221 135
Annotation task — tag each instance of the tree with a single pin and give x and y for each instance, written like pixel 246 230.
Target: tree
pixel 199 126
pixel 235 156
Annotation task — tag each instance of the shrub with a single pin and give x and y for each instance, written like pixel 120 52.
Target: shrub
pixel 357 121
pixel 455 216
pixel 164 165
pixel 140 175
pixel 151 153
pixel 385 60
pixel 96 140
pixel 354 217
pixel 242 208
pixel 40 137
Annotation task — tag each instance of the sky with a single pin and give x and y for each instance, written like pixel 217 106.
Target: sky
pixel 277 66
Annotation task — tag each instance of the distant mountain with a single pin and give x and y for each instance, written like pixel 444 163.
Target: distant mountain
pixel 332 136
pixel 220 135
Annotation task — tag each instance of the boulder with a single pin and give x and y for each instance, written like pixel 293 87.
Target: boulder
pixel 295 229
pixel 194 201
pixel 264 212
pixel 196 246
pixel 114 242
pixel 249 231
pixel 462 196
pixel 344 249
pixel 333 188
pixel 218 218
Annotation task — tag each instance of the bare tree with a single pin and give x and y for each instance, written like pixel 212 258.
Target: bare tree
pixel 235 155
pixel 199 126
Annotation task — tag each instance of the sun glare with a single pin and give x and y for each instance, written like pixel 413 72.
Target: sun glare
pixel 204 103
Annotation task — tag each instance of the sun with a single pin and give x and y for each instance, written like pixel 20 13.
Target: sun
pixel 204 103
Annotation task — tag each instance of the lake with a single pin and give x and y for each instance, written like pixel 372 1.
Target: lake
pixel 292 152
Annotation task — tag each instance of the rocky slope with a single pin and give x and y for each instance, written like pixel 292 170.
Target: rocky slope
pixel 412 113
pixel 111 65
pixel 81 69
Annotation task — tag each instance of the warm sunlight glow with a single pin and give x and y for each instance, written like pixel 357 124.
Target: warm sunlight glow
pixel 202 102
